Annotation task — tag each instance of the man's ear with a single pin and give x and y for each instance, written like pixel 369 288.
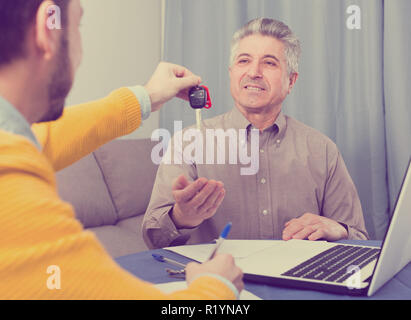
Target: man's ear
pixel 47 40
pixel 293 79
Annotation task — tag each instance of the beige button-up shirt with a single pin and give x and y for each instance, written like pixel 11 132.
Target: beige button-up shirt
pixel 299 170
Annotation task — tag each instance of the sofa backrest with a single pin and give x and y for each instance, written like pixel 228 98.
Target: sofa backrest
pixel 111 184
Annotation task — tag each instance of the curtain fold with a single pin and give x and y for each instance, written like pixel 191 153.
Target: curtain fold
pixel 397 89
pixel 352 84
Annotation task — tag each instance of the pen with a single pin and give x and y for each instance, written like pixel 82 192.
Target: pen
pixel 164 259
pixel 221 239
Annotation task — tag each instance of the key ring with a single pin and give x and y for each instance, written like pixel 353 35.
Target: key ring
pixel 208 104
pixel 176 273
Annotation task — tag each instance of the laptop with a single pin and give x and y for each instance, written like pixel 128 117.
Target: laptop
pixel 337 267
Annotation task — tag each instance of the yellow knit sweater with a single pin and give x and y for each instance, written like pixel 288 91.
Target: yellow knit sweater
pixel 39 230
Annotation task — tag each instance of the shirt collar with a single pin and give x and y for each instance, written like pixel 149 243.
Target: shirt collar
pixel 281 124
pixel 238 121
pixel 11 120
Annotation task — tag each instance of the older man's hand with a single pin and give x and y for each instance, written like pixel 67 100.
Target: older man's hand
pixel 314 227
pixel 195 201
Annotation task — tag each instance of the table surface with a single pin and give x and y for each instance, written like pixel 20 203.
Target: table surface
pixel 146 268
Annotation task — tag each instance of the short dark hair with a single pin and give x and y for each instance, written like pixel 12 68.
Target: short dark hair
pixel 16 17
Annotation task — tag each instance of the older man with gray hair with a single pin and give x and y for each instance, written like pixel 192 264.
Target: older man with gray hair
pixel 301 190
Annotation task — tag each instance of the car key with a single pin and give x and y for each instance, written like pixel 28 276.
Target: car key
pixel 199 97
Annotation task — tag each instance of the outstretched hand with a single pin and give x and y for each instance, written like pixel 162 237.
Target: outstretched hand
pixel 195 201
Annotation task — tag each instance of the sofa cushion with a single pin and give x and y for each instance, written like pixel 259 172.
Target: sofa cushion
pixel 123 238
pixel 129 174
pixel 82 185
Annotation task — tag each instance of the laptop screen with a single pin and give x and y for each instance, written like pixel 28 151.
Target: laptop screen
pixel 396 248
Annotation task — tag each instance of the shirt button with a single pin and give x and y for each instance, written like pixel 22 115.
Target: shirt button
pixel 263 181
pixel 278 141
pixel 265 212
pixel 261 150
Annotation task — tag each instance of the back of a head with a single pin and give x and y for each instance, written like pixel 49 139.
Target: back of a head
pixel 16 18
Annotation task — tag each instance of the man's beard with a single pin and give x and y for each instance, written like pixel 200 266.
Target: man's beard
pixel 60 84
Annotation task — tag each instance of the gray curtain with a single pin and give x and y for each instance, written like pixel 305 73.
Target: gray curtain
pixel 397 90
pixel 353 86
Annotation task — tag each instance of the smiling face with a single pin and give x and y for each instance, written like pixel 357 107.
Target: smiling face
pixel 259 76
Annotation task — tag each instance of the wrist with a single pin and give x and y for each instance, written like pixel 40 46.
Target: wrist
pixel 179 220
pixel 154 98
pixel 143 97
pixel 345 232
pixel 175 213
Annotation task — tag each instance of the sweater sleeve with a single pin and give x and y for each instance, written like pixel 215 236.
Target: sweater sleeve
pixel 84 128
pixel 44 251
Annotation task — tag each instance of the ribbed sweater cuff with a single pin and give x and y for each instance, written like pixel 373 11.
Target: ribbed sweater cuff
pixel 131 107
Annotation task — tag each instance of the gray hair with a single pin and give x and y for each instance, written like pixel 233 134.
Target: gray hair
pixel 272 28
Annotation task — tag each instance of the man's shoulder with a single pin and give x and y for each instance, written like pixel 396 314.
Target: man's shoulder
pixel 19 152
pixel 303 130
pixel 14 141
pixel 219 121
pixel 310 139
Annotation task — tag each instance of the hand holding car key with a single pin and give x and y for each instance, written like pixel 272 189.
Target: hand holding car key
pixel 199 97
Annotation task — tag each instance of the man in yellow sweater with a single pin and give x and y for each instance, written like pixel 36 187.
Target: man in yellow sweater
pixel 37 229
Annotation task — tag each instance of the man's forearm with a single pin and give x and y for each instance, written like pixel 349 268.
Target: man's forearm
pixel 84 128
pixel 159 230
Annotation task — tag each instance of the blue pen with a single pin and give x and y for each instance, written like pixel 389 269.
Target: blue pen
pixel 164 259
pixel 221 239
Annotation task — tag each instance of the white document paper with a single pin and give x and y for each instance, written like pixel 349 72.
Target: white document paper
pixel 264 257
pixel 239 249
pixel 275 260
pixel 181 285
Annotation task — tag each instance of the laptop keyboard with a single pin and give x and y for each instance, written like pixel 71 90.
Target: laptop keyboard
pixel 331 265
